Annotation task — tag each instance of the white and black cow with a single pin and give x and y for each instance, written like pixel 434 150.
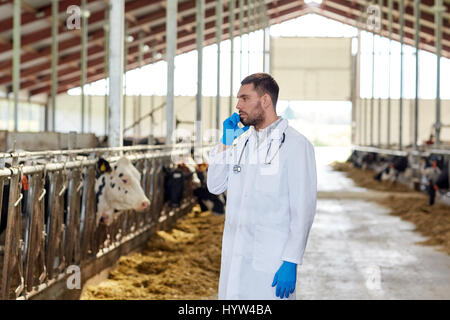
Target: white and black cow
pixel 430 168
pixel 393 168
pixel 362 160
pixel 436 177
pixel 118 188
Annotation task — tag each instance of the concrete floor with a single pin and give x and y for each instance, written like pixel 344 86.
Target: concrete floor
pixel 356 250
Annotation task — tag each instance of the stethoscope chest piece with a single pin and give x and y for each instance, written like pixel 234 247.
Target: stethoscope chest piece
pixel 237 167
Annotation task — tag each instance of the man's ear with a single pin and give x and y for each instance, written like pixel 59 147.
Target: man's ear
pixel 266 100
pixel 103 166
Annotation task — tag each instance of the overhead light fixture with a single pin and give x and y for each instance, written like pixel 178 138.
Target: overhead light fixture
pixel 146 48
pixel 130 39
pixel 313 1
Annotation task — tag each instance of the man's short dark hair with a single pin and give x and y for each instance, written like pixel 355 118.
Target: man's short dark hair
pixel 264 83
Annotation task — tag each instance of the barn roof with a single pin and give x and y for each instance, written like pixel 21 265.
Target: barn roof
pixel 148 17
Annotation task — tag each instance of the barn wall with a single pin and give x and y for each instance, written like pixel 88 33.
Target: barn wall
pixel 312 68
pixel 427 117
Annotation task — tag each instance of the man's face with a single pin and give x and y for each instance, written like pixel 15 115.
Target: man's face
pixel 249 106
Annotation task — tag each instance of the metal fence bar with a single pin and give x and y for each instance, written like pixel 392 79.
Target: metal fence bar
pixel 35 268
pixel 61 201
pixel 401 153
pixel 78 163
pixel 88 214
pixel 12 278
pixel 54 225
pixel 53 153
pixel 72 220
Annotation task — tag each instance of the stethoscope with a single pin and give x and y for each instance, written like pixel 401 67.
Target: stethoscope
pixel 237 167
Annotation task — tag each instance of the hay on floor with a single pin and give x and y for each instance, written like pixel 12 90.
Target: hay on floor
pixel 431 221
pixel 183 263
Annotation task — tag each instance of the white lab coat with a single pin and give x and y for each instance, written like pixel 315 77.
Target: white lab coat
pixel 269 212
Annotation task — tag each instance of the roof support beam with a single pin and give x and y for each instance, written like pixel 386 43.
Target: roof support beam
pixel 171 47
pixel 438 9
pixel 55 57
pixel 84 30
pixel 16 61
pixel 218 41
pixel 116 45
pixel 200 33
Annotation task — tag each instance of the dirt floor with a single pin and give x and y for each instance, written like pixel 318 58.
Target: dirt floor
pixel 431 221
pixel 183 263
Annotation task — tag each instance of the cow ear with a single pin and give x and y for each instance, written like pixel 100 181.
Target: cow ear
pixel 103 166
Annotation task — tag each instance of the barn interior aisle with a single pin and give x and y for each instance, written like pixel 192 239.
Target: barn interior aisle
pixel 371 241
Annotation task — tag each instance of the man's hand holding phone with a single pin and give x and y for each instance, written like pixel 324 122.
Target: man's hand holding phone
pixel 231 129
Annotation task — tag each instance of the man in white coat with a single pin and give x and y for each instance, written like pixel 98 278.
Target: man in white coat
pixel 268 170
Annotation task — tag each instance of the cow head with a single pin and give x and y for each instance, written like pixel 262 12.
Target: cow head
pixel 118 188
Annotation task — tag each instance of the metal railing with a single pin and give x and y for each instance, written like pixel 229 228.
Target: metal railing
pixel 51 223
pixel 404 153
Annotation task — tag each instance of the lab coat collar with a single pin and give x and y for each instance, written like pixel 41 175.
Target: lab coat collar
pixel 275 134
pixel 250 134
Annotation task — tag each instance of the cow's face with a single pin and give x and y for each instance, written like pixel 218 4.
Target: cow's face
pixel 122 188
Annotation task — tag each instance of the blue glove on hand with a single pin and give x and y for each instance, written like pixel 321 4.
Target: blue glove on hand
pixel 231 129
pixel 285 279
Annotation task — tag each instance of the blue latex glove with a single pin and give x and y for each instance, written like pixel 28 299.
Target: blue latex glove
pixel 285 279
pixel 231 129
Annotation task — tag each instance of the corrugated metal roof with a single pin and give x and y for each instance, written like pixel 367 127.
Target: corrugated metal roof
pixel 148 16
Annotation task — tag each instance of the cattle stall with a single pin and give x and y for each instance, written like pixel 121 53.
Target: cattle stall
pixel 51 236
pixel 420 170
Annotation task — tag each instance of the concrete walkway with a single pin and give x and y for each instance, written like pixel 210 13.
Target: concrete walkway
pixel 356 250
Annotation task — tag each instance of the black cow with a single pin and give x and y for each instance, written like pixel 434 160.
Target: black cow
pixel 362 160
pixel 206 199
pixel 441 182
pixel 5 202
pixel 392 170
pixel 175 184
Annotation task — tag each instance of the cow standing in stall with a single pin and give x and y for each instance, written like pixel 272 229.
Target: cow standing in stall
pixel 430 167
pixel 391 171
pixel 117 189
pixel 176 181
pixel 437 178
pixel 189 179
pixel 362 160
pixel 207 200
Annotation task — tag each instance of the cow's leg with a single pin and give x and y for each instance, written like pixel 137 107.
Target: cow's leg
pixel 431 193
pixel 218 207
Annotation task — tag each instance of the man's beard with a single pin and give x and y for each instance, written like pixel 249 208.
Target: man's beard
pixel 256 118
